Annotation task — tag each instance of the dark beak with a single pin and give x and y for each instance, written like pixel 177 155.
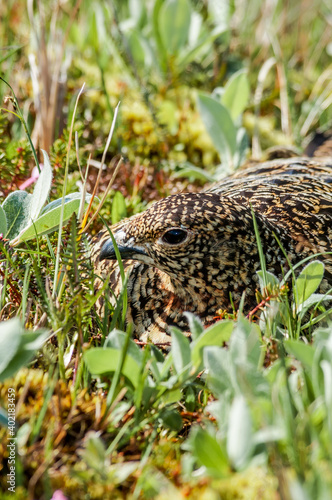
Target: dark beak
pixel 108 251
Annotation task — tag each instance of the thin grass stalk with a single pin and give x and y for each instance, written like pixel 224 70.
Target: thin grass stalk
pixel 284 102
pixel 324 297
pixel 50 248
pixel 103 84
pixel 260 249
pixel 142 379
pixel 104 195
pixel 53 378
pixel 21 117
pixel 78 157
pixel 84 191
pixel 57 261
pixel 48 70
pixel 262 75
pixel 122 303
pixel 55 84
pixel 316 320
pixel 322 102
pixel 109 138
pixel 25 289
pixel 124 278
pixel 11 53
pixel 116 378
pixel 118 437
pixel 4 279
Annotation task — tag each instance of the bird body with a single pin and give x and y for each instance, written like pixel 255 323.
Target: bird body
pixel 192 251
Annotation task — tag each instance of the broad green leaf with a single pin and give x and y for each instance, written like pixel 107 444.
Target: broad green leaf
pixel 271 279
pixel 171 396
pixel 155 368
pixel 242 146
pixel 219 409
pixel 137 48
pixel 57 203
pixel 195 27
pixel 119 209
pixel 20 359
pixel 24 346
pixel 309 280
pixel 172 419
pixel 94 452
pixel 191 171
pixel 220 12
pixel 3 221
pixel 41 189
pixel 190 398
pixel 203 44
pixel 315 298
pixel 301 351
pixel 271 373
pixel 93 32
pixel 219 125
pixel 219 370
pixel 117 339
pixel 32 341
pixel 269 434
pixel 327 370
pixel 209 452
pixel 137 10
pixel 119 472
pixel 165 366
pixel 245 345
pixel 180 350
pixel 17 209
pixel 236 93
pixel 240 433
pixel 195 325
pixel 96 35
pixel 10 337
pixel 322 337
pixel 105 361
pixel 50 218
pixel 174 24
pixel 161 58
pixel 215 335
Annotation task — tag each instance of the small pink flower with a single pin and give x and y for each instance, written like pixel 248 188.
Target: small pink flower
pixel 58 495
pixel 32 179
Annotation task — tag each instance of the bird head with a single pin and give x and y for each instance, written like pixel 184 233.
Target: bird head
pixel 187 236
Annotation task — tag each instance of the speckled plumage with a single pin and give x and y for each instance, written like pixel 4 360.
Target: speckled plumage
pixel 218 257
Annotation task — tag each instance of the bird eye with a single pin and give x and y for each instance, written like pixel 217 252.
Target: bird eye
pixel 174 236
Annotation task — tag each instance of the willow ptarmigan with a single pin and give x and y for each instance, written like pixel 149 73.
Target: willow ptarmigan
pixel 191 252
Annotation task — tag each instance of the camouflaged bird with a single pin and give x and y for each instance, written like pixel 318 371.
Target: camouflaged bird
pixel 192 252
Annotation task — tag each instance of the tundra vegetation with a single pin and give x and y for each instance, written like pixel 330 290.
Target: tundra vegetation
pixel 107 106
